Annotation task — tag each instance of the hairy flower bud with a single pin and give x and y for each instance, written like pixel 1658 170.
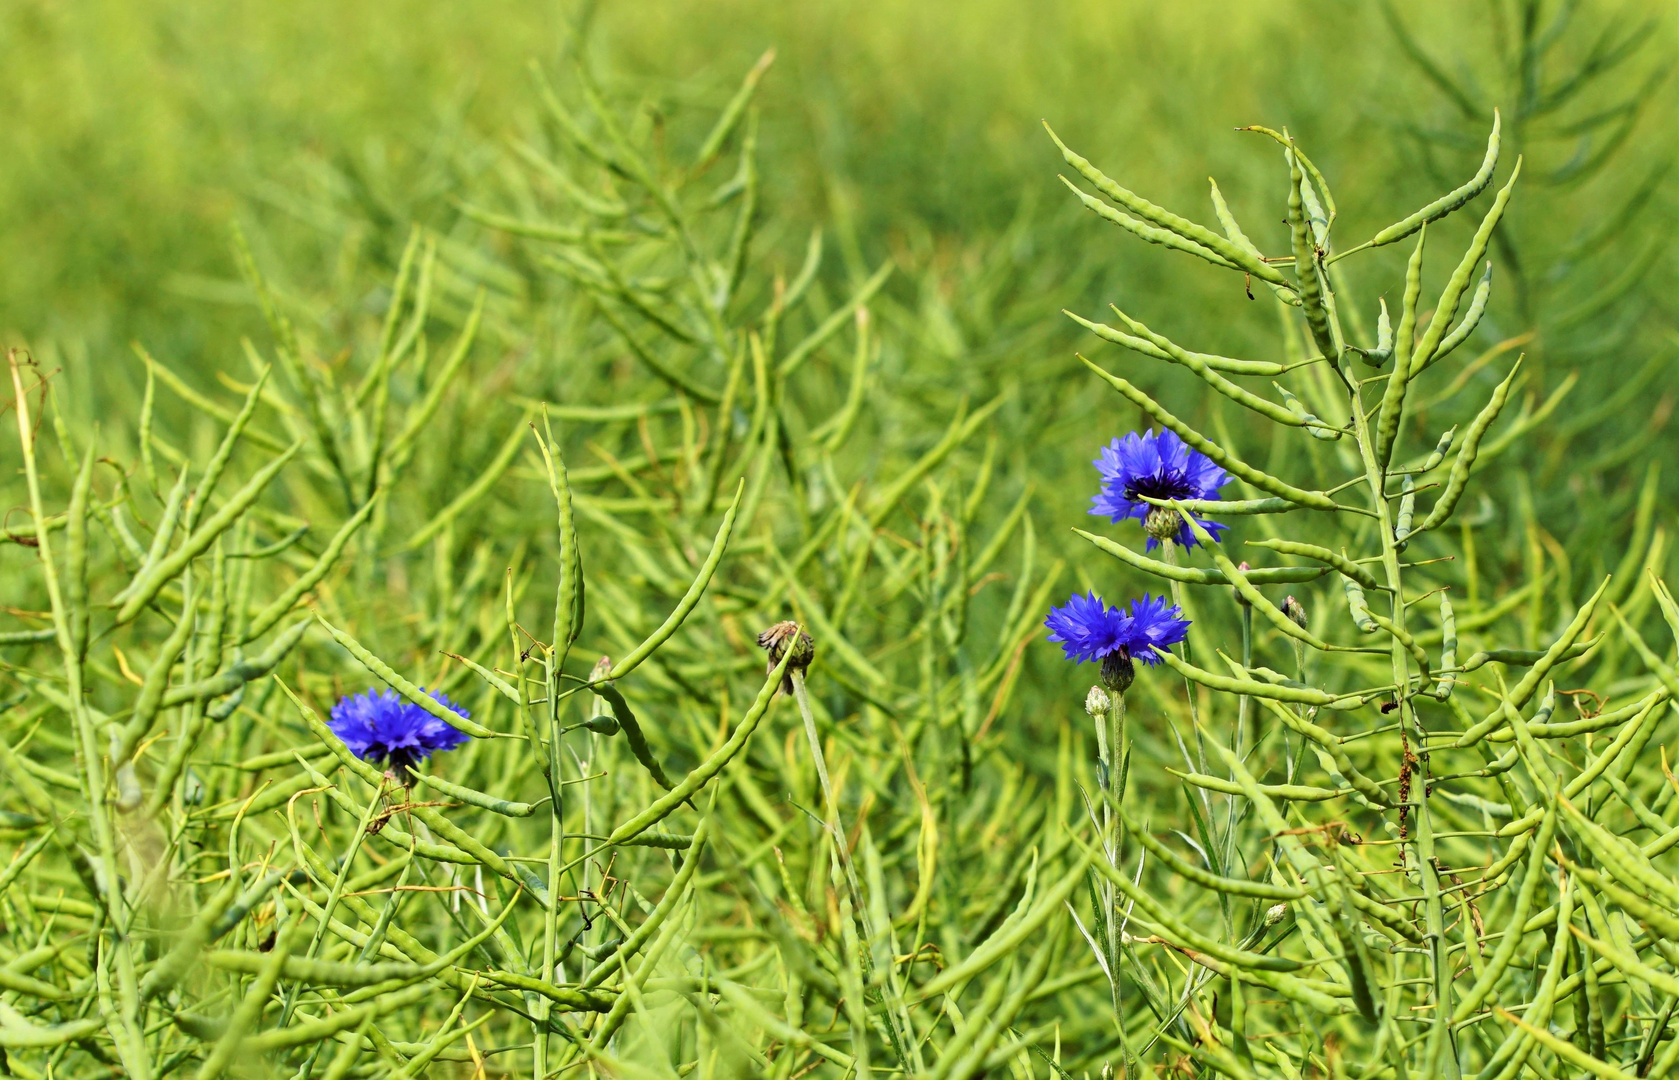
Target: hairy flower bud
pixel 1096 703
pixel 777 640
pixel 1162 523
pixel 1295 610
pixel 1275 914
pixel 1118 670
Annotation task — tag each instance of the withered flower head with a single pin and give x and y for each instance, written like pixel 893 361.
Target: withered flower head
pixel 777 640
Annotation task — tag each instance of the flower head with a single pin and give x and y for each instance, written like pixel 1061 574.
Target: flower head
pixel 379 726
pixel 1088 629
pixel 1160 466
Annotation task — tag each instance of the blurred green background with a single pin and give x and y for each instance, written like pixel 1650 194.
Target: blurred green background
pixel 135 133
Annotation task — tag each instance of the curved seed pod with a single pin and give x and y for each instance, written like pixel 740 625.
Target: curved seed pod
pixel 1227 222
pixel 1518 697
pixel 1407 510
pixel 1322 554
pixel 241 672
pixel 1448 646
pixel 1306 264
pixel 1383 352
pixel 1438 454
pixel 1512 939
pixel 1254 688
pixel 1404 638
pixel 1268 409
pixel 1183 227
pixel 1629 739
pixel 632 730
pixel 1157 912
pixel 1446 308
pixel 1357 607
pixel 476 798
pixel 1444 205
pixel 1471 319
pixel 1158 346
pixel 1312 500
pixel 1656 918
pixel 1253 596
pixel 1184 868
pixel 151 696
pixel 408 690
pixel 1316 428
pixel 1459 478
pixel 149 583
pixel 1336 749
pixel 1629 866
pixel 1355 958
pixel 719 545
pixel 311 577
pixel 1521 657
pixel 666 804
pixel 1164 237
pixel 1393 396
pixel 1189 575
pixel 1285 792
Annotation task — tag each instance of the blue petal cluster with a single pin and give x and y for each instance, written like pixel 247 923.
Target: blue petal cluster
pixel 1162 467
pixel 1088 629
pixel 379 726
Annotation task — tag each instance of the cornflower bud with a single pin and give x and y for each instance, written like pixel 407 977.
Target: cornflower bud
pixel 1118 671
pixel 1295 610
pixel 1096 703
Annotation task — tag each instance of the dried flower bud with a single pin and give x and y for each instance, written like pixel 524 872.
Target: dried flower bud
pixel 1096 703
pixel 777 640
pixel 1295 610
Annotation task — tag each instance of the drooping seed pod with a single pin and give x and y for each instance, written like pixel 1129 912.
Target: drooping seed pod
pixel 1448 646
pixel 1356 605
pixel 1439 453
pixel 1407 511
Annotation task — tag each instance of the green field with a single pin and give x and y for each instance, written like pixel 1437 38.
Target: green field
pixel 460 346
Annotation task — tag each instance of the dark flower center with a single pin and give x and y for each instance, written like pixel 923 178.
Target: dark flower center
pixel 1165 484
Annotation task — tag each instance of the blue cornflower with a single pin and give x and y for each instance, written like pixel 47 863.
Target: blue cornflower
pixel 1162 467
pixel 379 726
pixel 1088 629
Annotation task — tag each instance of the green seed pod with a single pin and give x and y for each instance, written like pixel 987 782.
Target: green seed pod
pixel 1471 319
pixel 1314 500
pixel 1407 509
pixel 1446 308
pixel 1459 478
pixel 1444 205
pixel 1357 607
pixel 1306 264
pixel 1316 428
pixel 1439 452
pixel 1393 398
pixel 1217 246
pixel 1383 352
pixel 1448 646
